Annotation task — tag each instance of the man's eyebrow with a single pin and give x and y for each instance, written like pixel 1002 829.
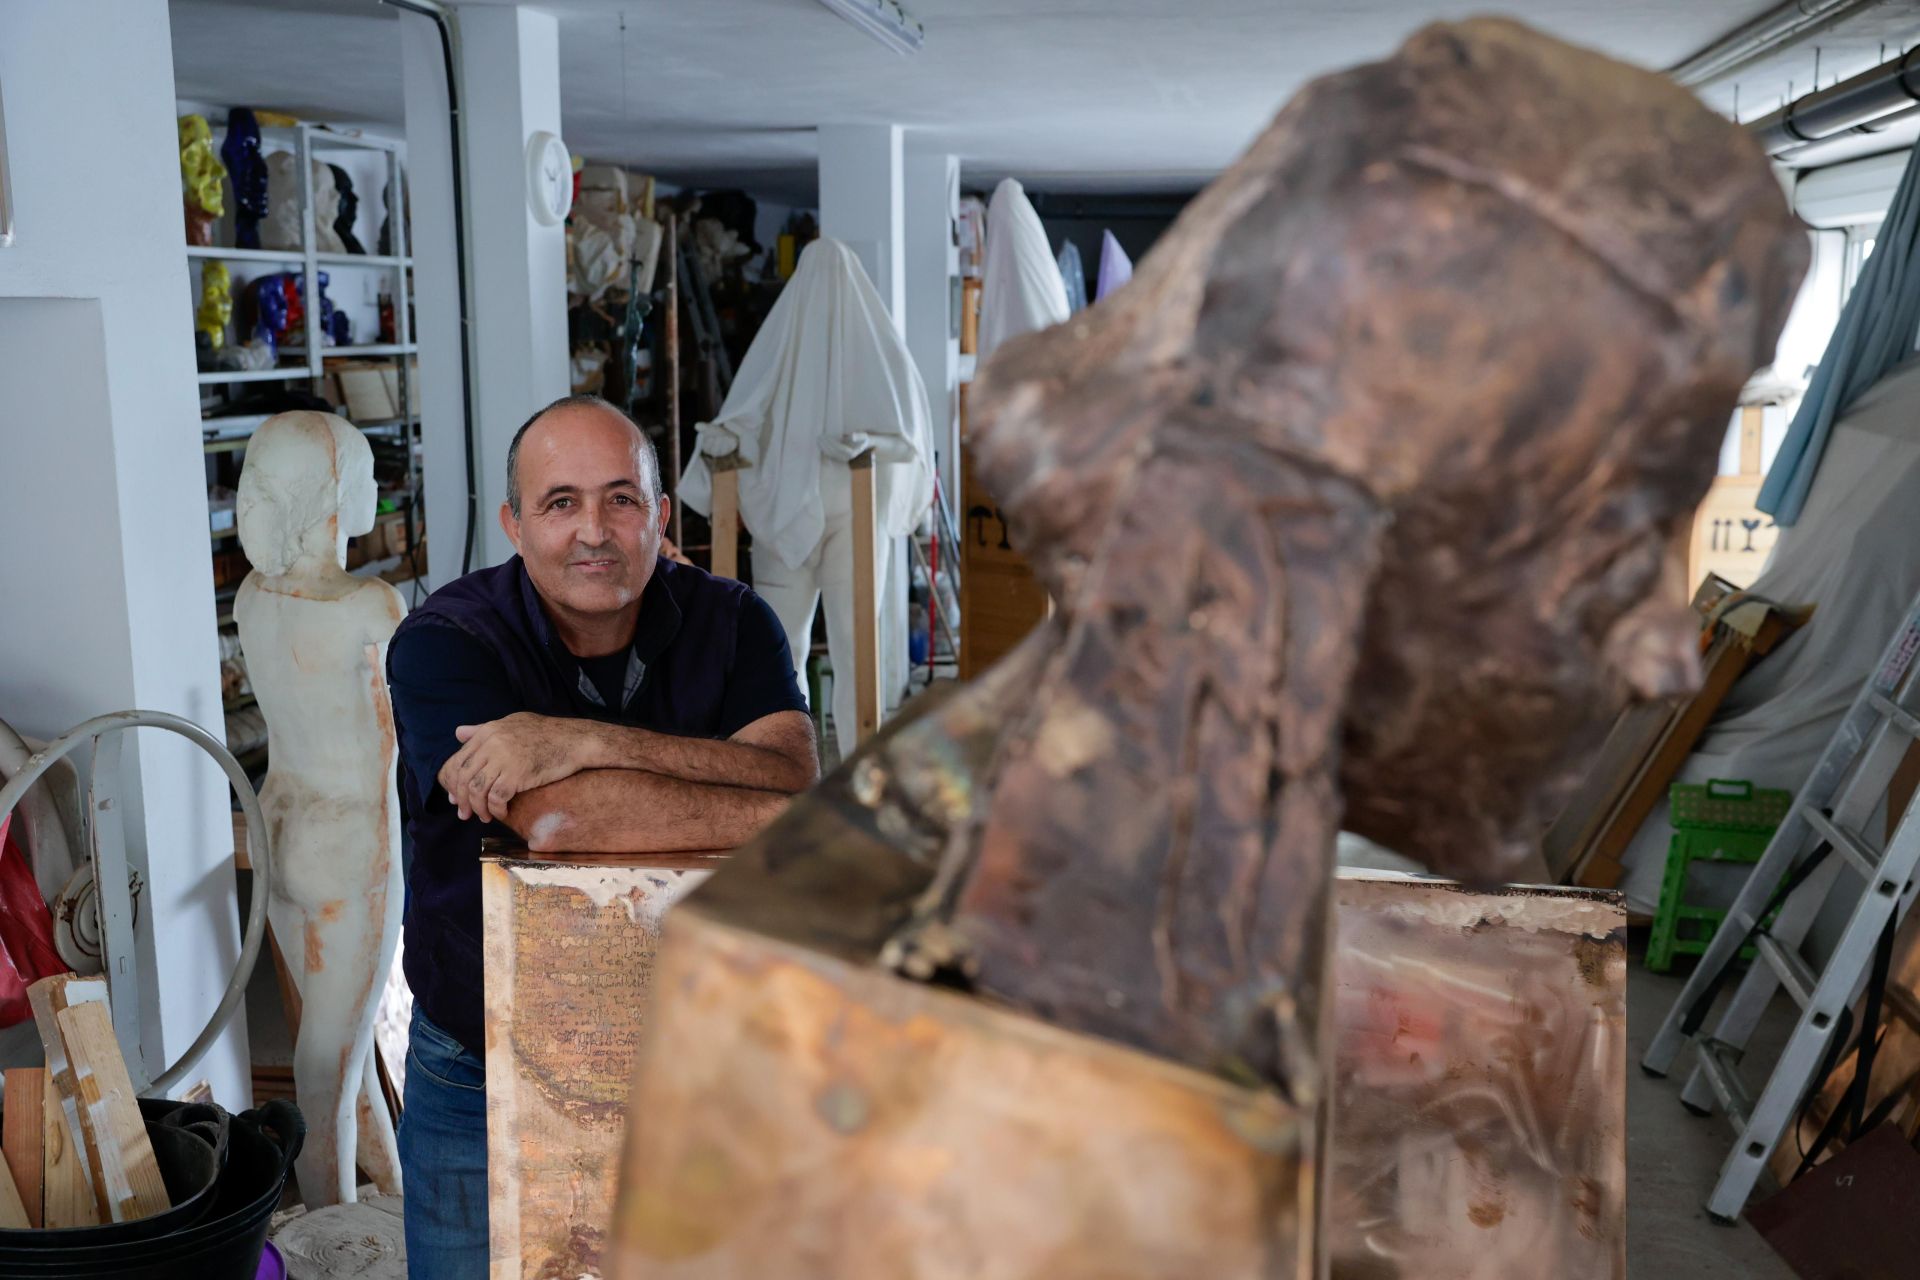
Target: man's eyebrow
pixel 574 490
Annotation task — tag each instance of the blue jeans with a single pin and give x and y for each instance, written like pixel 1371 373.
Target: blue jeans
pixel 443 1157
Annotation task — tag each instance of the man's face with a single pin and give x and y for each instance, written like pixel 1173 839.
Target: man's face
pixel 589 525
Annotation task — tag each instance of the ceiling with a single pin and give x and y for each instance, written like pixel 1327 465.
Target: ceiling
pixel 1069 95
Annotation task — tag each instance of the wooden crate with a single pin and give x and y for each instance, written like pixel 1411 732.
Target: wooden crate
pixel 1469 970
pixel 1000 599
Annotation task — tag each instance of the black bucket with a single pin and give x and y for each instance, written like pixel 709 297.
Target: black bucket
pixel 190 1157
pixel 225 1240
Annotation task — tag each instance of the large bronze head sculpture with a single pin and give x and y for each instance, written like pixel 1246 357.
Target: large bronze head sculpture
pixel 1353 506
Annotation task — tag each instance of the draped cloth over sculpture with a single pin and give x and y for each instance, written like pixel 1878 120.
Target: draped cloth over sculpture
pixel 827 378
pixel 1020 287
pixel 1116 268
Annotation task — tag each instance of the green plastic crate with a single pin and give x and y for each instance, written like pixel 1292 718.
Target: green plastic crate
pixel 1722 821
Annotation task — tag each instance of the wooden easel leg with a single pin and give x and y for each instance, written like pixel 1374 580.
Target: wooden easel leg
pixel 726 524
pixel 866 610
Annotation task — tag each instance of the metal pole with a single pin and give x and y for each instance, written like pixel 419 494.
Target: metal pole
pixel 1780 26
pixel 1893 86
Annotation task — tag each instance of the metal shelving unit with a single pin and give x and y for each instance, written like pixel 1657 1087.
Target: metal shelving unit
pixel 303 359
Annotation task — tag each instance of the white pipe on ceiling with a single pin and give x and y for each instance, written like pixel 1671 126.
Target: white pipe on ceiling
pixel 1772 31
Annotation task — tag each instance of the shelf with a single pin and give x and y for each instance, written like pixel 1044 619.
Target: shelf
pixel 217 252
pixel 225 435
pixel 366 349
pixel 321 140
pixel 294 258
pixel 252 375
pixel 221 535
pixel 360 260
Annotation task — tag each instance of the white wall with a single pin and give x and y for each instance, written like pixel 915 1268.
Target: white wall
pixel 510 73
pixel 107 580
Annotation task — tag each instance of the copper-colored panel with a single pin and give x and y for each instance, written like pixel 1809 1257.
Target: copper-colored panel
pixel 1480 1090
pixel 810 1119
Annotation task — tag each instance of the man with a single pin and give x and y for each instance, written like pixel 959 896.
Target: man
pixel 586 696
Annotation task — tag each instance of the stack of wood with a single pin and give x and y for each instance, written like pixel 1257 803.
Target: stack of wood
pixel 77 1152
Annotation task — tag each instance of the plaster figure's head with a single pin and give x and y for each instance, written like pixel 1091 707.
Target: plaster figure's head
pixel 306 487
pixel 1519 329
pixel 584 506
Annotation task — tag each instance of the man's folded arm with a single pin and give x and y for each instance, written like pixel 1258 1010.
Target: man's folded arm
pixel 774 753
pixel 635 811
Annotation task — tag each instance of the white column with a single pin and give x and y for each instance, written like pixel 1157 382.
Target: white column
pixel 933 268
pixel 107 582
pixel 509 71
pixel 863 202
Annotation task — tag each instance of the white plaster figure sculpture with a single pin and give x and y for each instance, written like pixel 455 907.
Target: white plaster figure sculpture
pixel 315 639
pixel 282 226
pixel 827 378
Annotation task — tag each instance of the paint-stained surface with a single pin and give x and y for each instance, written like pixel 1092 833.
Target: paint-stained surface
pixel 570 966
pixel 1478 1049
pixel 1480 1084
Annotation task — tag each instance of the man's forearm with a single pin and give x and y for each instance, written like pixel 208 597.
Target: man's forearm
pixel 636 811
pixel 710 760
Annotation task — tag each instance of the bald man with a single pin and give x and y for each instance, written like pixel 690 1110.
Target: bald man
pixel 589 695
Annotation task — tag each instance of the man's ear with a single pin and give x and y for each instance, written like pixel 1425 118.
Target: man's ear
pixel 666 514
pixel 510 524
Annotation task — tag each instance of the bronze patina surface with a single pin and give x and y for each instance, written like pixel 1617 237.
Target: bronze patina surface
pixel 1352 504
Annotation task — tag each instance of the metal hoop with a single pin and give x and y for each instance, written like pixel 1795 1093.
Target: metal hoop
pixel 257 852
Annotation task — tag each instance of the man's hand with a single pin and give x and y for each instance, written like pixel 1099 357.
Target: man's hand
pixel 502 758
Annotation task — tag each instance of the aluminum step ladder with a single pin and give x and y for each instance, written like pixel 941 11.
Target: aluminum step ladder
pixel 1832 809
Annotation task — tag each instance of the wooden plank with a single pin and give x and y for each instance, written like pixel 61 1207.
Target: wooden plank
pixel 1001 600
pixel 48 997
pixel 1752 423
pixel 13 1211
pixel 1726 661
pixel 23 1135
pixel 126 1177
pixel 866 604
pixel 1633 738
pixel 570 952
pixel 726 520
pixel 66 1192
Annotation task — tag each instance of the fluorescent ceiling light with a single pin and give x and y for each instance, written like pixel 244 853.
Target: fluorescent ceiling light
pixel 884 20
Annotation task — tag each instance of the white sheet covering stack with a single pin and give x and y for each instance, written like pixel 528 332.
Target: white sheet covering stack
pixel 1020 289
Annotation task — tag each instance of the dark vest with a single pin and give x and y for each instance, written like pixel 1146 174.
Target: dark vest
pixel 685 635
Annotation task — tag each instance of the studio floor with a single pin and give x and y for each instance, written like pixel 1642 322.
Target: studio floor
pixel 1673 1157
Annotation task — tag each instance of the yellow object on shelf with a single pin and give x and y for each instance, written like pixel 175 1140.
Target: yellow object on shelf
pixel 216 303
pixel 200 168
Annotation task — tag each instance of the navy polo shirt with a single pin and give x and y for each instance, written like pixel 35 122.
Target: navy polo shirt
pixel 708 658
